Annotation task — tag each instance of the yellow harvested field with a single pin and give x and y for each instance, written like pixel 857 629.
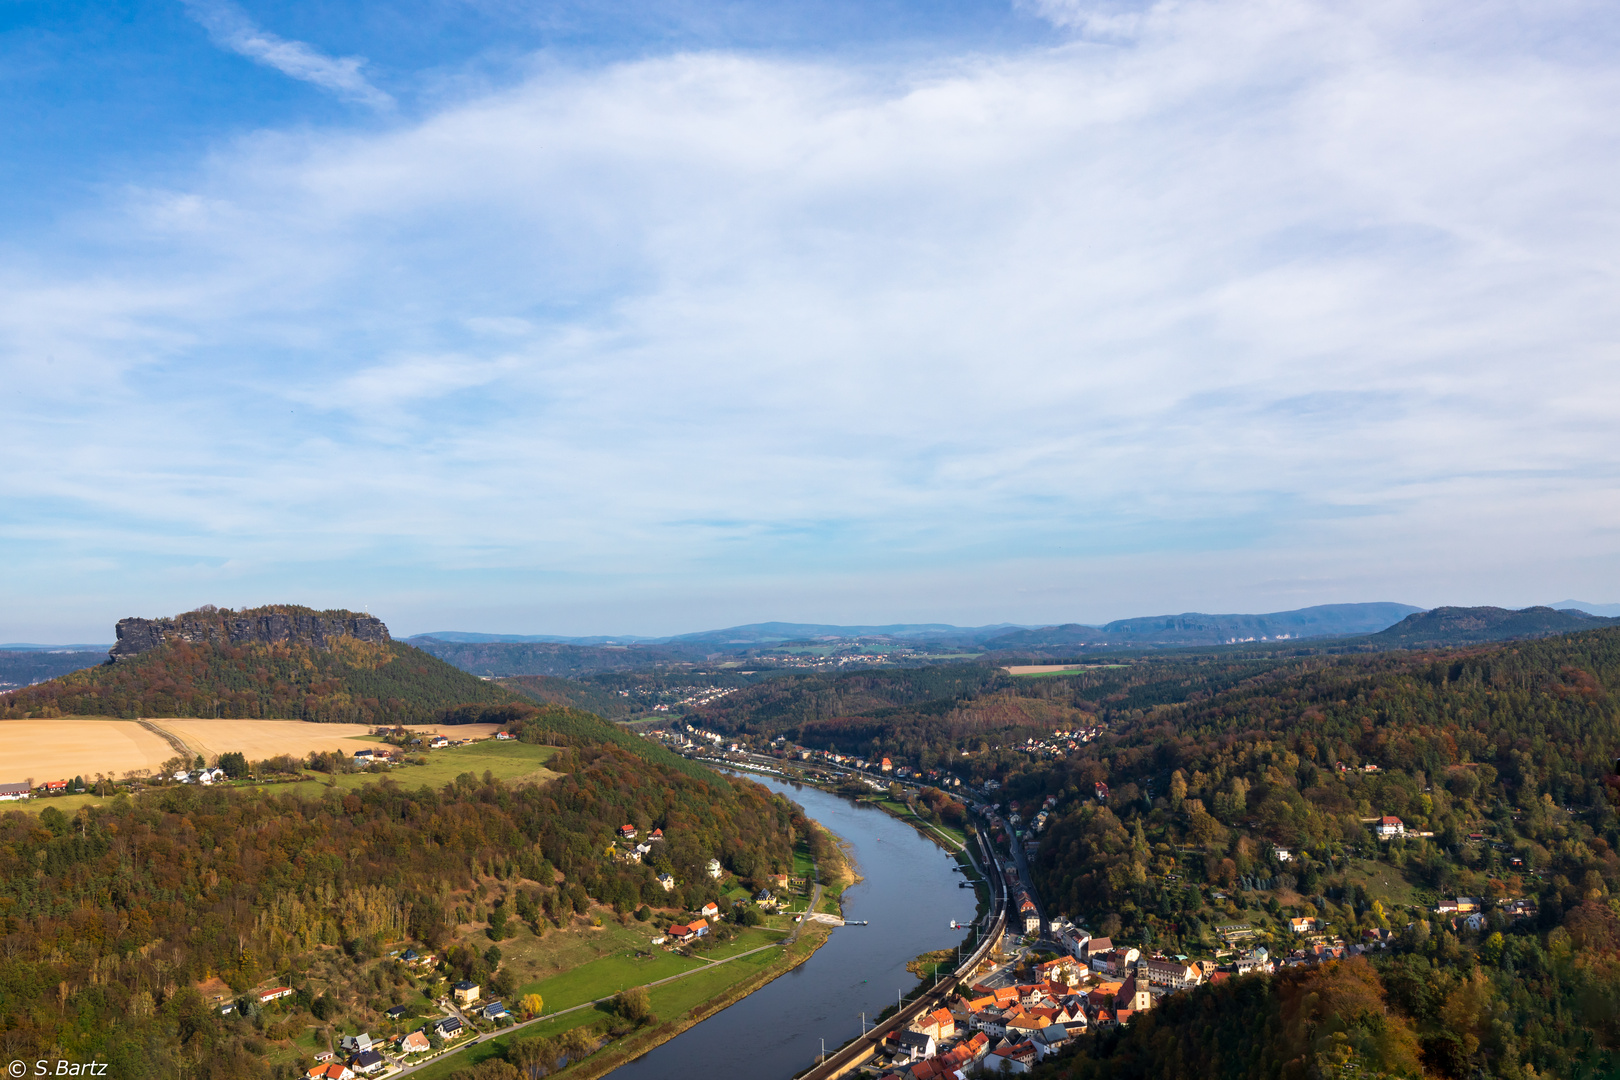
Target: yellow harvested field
pixel 65 748
pixel 266 738
pixel 62 749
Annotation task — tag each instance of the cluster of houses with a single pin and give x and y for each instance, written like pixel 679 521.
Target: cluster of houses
pixel 363 1056
pixel 199 776
pixel 695 697
pixel 1469 911
pixel 635 852
pixel 1061 744
pixel 628 834
pixel 27 788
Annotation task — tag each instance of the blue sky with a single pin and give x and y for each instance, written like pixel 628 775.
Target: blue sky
pixel 645 318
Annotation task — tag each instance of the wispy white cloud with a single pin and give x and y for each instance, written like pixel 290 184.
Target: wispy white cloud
pixel 1265 302
pixel 231 28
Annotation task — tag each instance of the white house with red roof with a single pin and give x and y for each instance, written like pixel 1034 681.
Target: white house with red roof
pixel 1389 826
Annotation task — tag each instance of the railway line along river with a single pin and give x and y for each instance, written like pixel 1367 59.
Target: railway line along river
pixel 908 895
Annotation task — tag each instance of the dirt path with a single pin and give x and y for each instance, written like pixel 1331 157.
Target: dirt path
pixel 181 747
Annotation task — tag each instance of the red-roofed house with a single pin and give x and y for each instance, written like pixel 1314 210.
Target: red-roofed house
pixel 711 910
pixel 267 996
pixel 334 1071
pixel 1389 826
pixel 627 832
pixel 939 1023
pixel 1013 1059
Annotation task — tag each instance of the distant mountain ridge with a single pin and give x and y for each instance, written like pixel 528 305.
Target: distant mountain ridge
pixel 766 633
pixel 1606 610
pixel 1197 628
pixel 1477 625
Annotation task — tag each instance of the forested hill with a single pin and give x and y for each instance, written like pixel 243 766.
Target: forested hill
pixel 506 658
pixel 1505 754
pixel 1197 628
pixel 349 681
pixel 112 916
pixel 795 700
pixel 1476 625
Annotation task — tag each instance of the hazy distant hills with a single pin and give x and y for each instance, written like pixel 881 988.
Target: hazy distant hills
pixel 1376 625
pixel 1606 610
pixel 21 667
pixel 512 658
pixel 1474 625
pixel 1196 628
pixel 766 633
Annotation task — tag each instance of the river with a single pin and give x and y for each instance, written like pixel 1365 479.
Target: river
pixel 909 894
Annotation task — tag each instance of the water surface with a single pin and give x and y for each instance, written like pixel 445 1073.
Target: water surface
pixel 908 892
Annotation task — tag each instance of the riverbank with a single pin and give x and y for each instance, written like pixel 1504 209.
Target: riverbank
pixel 635 1045
pixel 663 994
pixel 839 874
pixel 902 905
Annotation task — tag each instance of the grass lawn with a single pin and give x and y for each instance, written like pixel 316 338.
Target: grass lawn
pixel 678 997
pixel 748 937
pixel 509 761
pixel 68 804
pixel 1383 883
pixel 803 865
pixel 671 1003
pixel 534 961
pixel 606 976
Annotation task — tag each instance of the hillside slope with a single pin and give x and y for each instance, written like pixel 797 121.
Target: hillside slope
pixel 1497 760
pixel 314 674
pixel 1477 625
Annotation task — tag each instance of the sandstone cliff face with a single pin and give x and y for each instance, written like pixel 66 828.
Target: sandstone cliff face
pixel 303 626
